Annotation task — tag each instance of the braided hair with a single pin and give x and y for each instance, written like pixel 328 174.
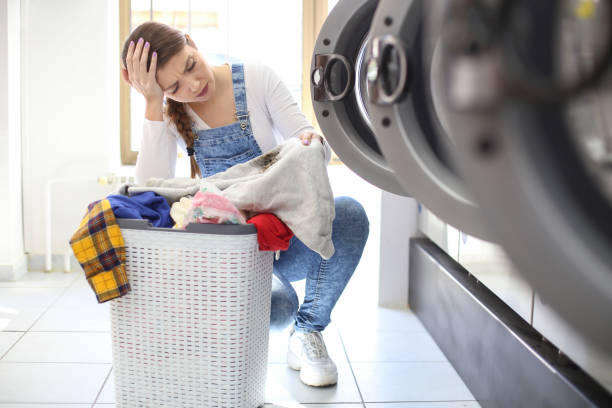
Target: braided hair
pixel 178 115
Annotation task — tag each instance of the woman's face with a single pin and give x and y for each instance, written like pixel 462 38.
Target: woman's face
pixel 187 77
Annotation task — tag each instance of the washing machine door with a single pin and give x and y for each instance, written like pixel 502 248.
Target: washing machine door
pixel 404 81
pixel 536 148
pixel 336 78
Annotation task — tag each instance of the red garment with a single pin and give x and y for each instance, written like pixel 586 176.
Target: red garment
pixel 272 233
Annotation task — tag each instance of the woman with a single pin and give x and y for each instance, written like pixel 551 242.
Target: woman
pixel 223 115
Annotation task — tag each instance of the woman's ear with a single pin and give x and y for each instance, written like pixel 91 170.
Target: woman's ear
pixel 126 76
pixel 190 41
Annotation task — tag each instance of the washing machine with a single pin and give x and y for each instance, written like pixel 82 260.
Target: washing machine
pixel 494 116
pixel 362 102
pixel 535 149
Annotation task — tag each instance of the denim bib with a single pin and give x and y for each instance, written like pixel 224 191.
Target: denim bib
pixel 220 148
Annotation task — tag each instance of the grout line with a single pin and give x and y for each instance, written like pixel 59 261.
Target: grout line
pixel 401 361
pixel 39 317
pixel 50 306
pixel 47 404
pixel 102 387
pixel 57 362
pixel 69 331
pixel 323 404
pixel 351 367
pixel 40 285
pixel 391 331
pixel 419 401
pixel 13 345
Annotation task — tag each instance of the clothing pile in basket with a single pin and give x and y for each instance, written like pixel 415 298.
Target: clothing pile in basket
pixel 283 192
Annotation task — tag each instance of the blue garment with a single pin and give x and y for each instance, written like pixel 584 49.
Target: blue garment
pixel 220 148
pixel 148 205
pixel 325 279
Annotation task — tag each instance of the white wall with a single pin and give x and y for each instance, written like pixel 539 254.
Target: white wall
pixel 11 239
pixel 398 223
pixel 70 60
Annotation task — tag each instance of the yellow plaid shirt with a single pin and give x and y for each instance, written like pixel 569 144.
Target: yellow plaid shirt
pixel 98 246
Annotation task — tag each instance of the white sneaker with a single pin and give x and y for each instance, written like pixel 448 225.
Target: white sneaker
pixel 307 353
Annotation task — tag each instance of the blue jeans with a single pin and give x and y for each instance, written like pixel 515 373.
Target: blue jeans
pixel 325 279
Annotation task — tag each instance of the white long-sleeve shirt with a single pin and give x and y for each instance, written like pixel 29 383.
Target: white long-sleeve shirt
pixel 274 114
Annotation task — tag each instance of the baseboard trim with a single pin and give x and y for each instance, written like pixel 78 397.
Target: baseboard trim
pixel 14 272
pixel 36 262
pixel 502 359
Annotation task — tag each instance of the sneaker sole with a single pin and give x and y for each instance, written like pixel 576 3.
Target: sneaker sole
pixel 315 380
pixel 293 361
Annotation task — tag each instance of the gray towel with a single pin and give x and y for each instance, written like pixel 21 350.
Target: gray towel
pixel 290 181
pixel 171 189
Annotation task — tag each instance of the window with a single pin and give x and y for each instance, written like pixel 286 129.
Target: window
pixel 226 30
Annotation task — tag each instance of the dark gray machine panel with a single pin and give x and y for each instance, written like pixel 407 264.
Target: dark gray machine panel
pixel 500 357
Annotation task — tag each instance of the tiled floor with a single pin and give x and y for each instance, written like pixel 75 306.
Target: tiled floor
pixel 55 345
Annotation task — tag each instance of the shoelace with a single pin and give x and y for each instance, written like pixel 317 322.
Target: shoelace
pixel 314 345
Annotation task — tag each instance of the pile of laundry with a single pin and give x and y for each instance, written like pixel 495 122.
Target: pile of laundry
pixel 199 202
pixel 283 192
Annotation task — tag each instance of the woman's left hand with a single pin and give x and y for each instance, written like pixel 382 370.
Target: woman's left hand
pixel 307 137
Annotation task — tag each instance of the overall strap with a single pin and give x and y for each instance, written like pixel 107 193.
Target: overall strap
pixel 239 91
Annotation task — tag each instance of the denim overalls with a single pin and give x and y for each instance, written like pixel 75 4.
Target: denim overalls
pixel 220 148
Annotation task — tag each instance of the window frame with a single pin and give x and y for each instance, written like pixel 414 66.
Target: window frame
pixel 314 14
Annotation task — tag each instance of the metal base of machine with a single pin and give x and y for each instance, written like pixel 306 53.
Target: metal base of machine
pixel 502 359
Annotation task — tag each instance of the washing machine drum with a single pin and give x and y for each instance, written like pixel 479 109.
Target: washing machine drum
pixel 376 100
pixel 536 149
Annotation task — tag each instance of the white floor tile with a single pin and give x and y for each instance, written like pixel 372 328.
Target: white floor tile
pixel 418 381
pixel 449 404
pixel 13 298
pixel 283 386
pixel 39 279
pixel 78 294
pixel 19 319
pixel 7 339
pixel 45 405
pixel 107 396
pixel 62 347
pixel 299 405
pixel 20 307
pixel 375 318
pixel 66 318
pixel 104 406
pixel 370 346
pixel 50 382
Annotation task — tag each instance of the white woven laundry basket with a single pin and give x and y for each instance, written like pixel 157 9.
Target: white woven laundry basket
pixel 193 331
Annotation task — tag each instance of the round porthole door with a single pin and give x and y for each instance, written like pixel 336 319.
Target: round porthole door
pixel 404 69
pixel 336 87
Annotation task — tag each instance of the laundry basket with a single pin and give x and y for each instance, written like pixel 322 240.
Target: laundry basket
pixel 193 330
